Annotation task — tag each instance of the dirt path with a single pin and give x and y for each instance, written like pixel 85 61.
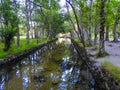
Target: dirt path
pixel 113 49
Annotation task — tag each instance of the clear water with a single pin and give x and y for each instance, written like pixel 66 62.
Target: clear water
pixel 57 69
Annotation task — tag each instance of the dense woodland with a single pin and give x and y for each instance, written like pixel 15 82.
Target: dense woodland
pixel 88 21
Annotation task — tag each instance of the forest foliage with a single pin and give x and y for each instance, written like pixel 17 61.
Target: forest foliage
pixel 91 21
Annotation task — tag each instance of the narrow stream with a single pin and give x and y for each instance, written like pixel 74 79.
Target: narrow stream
pixel 55 69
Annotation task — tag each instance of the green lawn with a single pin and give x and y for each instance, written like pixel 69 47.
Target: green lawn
pixel 14 49
pixel 112 69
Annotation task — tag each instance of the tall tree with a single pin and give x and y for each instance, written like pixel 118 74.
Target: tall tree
pixel 102 26
pixel 18 32
pixel 10 21
pixel 77 22
pixel 115 35
pixel 90 24
pixel 108 17
pixel 27 21
pixel 107 33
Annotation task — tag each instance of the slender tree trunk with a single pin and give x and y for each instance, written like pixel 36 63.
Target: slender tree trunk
pixel 107 33
pixel 31 24
pixel 102 15
pixel 96 30
pixel 115 35
pixel 37 36
pixel 27 20
pixel 35 33
pixel 96 33
pixel 90 25
pixel 50 31
pixel 77 21
pixel 18 32
pixel 72 22
pixel 42 32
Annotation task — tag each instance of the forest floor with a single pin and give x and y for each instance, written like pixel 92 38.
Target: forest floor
pixel 112 48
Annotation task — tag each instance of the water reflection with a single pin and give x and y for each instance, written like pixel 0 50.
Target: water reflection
pixel 18 73
pixel 68 77
pixel 35 72
pixel 25 77
pixel 2 80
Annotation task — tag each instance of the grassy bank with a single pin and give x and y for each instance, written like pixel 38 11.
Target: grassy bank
pixel 15 49
pixel 112 69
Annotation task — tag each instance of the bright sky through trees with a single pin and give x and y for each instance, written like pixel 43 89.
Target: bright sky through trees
pixel 62 2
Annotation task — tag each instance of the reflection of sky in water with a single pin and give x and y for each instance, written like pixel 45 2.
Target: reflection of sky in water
pixel 25 79
pixel 67 78
pixel 63 86
pixel 18 73
pixel 76 75
pixel 33 58
pixel 66 74
pixel 93 83
pixel 2 82
pixel 2 86
pixel 64 63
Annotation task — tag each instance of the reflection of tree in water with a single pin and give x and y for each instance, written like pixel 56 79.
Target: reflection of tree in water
pixel 2 79
pixel 25 78
pixel 70 72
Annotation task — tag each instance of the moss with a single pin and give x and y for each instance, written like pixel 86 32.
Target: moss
pixel 49 66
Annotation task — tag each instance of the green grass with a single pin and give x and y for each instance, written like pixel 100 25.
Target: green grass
pixel 112 69
pixel 14 49
pixel 111 36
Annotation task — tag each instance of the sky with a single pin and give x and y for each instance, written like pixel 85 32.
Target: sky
pixel 62 2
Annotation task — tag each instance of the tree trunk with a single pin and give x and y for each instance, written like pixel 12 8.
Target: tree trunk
pixel 90 25
pixel 77 21
pixel 42 32
pixel 18 33
pixel 101 43
pixel 27 20
pixel 7 41
pixel 31 24
pixel 96 33
pixel 35 32
pixel 115 36
pixel 72 23
pixel 107 33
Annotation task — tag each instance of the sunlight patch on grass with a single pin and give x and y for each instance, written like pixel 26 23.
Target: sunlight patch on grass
pixel 14 49
pixel 112 69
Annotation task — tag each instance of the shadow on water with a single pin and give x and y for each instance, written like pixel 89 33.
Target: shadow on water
pixel 56 69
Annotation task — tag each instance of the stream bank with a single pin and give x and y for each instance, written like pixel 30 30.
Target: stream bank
pixel 103 80
pixel 13 58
